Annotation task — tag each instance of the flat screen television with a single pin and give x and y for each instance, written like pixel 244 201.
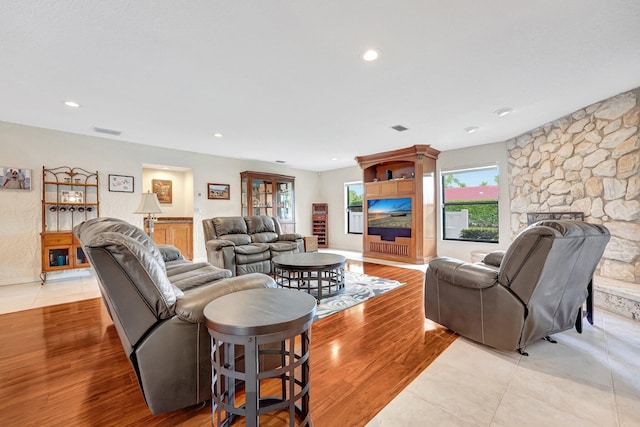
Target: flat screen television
pixel 389 218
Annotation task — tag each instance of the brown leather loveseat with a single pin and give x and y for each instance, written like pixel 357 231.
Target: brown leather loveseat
pixel 247 244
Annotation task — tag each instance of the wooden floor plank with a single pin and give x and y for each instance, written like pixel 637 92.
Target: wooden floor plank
pixel 64 364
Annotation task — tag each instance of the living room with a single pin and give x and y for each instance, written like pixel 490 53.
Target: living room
pixel 32 145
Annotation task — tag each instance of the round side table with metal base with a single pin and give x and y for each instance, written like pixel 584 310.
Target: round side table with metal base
pixel 272 329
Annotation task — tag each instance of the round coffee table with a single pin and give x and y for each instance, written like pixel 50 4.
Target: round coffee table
pixel 320 274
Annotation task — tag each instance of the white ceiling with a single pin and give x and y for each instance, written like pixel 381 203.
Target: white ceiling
pixel 283 80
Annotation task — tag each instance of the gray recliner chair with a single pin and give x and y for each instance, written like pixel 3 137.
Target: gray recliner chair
pixel 156 300
pixel 532 290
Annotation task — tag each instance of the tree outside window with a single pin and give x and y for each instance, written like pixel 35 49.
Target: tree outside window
pixel 355 218
pixel 470 204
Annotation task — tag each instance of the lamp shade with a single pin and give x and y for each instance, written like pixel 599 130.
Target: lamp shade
pixel 149 204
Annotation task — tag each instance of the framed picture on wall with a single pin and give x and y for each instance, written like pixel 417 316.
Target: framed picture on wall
pixel 218 191
pixel 162 187
pixel 15 178
pixel 121 183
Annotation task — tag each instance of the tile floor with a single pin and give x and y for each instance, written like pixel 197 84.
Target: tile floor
pixel 56 291
pixel 588 379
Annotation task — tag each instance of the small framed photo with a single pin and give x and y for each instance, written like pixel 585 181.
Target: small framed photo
pixel 121 183
pixel 15 178
pixel 71 196
pixel 218 191
pixel 163 188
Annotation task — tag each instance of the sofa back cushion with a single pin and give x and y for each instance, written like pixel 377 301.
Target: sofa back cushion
pixel 94 227
pixel 227 225
pixel 136 255
pixel 262 228
pixel 147 274
pixel 237 239
pixel 548 266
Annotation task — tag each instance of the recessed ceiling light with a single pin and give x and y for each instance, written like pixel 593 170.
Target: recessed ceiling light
pixel 371 55
pixel 472 129
pixel 334 159
pixel 72 104
pixel 217 135
pixel 503 111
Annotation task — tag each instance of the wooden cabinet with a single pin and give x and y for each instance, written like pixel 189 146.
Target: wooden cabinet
pixel 320 214
pixel 269 194
pixel 61 251
pixel 69 196
pixel 177 232
pixel 310 243
pixel 399 204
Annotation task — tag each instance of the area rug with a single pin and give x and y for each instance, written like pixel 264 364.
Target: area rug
pixel 358 288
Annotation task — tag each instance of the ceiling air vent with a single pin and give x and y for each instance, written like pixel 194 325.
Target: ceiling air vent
pixel 107 131
pixel 399 128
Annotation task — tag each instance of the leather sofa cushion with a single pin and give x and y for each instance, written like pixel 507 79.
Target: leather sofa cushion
pixel 135 258
pixel 528 249
pixel 463 274
pixel 101 225
pixel 191 306
pixel 252 258
pixel 494 258
pixel 264 237
pixel 255 267
pixel 237 239
pixel 260 224
pixel 191 275
pixel 283 246
pixel 242 259
pixel 229 225
pixel 254 248
pixel 170 253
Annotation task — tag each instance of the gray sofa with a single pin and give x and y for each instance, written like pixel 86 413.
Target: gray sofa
pixel 156 300
pixel 247 244
pixel 532 290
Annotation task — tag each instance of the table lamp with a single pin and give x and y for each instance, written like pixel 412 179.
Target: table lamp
pixel 149 205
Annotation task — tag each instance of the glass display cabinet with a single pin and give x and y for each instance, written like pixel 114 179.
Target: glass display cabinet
pixel 271 195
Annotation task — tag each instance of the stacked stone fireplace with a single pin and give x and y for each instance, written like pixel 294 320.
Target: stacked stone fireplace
pixel 588 162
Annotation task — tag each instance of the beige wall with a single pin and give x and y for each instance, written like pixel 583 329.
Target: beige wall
pixel 332 191
pixel 30 147
pixel 24 146
pixel 182 190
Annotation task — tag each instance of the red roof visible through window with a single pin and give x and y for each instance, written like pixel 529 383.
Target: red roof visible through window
pixel 486 192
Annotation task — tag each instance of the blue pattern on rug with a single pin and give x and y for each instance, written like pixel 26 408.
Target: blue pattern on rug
pixel 358 288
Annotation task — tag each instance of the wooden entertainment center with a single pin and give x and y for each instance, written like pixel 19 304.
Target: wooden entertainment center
pixel 399 204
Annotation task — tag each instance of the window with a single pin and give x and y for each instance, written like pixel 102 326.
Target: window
pixel 470 204
pixel 355 218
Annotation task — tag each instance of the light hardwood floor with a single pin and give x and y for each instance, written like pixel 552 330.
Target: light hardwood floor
pixel 64 365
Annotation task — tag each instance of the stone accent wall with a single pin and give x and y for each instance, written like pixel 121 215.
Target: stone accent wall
pixel 586 162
